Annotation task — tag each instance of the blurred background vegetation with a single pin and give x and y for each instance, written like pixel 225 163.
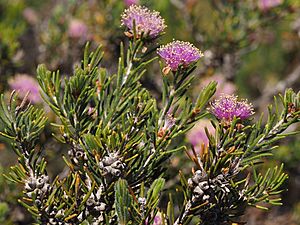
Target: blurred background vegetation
pixel 251 47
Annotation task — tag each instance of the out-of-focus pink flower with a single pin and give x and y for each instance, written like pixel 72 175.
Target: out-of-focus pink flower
pixel 131 2
pixel 157 220
pixel 24 83
pixel 197 136
pixel 78 29
pixel 146 21
pixel 267 4
pixel 179 53
pixel 224 86
pixel 30 16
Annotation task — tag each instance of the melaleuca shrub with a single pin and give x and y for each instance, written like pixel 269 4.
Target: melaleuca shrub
pixel 121 138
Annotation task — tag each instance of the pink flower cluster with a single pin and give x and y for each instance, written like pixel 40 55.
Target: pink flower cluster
pixel 228 106
pixel 146 21
pixel 179 53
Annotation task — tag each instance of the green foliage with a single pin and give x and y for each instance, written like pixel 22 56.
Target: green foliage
pixel 123 201
pixel 232 150
pixel 120 140
pixel 114 129
pixel 3 211
pixel 137 210
pixel 22 124
pixel 12 27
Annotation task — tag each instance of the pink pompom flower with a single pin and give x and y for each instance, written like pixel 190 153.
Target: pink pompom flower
pixel 146 21
pixel 228 106
pixel 179 53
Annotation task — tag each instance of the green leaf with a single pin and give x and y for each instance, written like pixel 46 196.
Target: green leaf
pixel 154 191
pixel 123 201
